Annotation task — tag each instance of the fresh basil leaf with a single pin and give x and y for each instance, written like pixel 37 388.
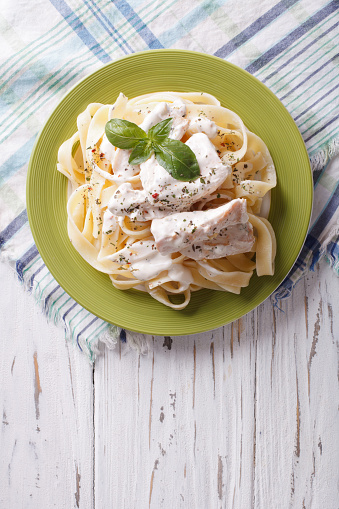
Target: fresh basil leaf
pixel 173 155
pixel 160 131
pixel 178 159
pixel 123 134
pixel 141 152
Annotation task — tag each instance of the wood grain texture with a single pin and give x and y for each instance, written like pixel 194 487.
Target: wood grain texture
pixel 242 417
pixel 46 399
pixel 238 418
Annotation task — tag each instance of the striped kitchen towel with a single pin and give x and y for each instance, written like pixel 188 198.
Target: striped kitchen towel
pixel 48 45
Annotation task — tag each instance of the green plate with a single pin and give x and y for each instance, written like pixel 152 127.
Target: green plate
pixel 181 71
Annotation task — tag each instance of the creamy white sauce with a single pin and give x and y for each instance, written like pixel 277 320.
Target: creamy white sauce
pixel 177 108
pixel 143 259
pixel 161 112
pixel 180 273
pixel 109 223
pixel 179 127
pixel 204 125
pixel 127 201
pixel 207 157
pixel 107 148
pixel 122 169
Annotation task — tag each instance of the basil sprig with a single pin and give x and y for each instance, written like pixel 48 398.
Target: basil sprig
pixel 173 155
pixel 124 134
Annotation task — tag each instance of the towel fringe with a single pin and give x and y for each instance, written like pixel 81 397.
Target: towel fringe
pixel 323 156
pixel 141 343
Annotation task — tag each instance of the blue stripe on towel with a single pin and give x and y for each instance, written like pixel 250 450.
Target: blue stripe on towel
pixel 133 18
pixel 297 55
pixel 327 213
pixel 49 296
pixel 317 102
pixel 254 28
pixel 108 26
pixel 24 260
pixel 84 329
pixel 35 274
pixel 13 227
pixel 17 160
pixel 81 31
pixel 69 310
pixel 292 37
pixel 322 128
pixel 309 77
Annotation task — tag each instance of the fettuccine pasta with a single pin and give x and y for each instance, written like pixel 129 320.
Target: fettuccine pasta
pixel 151 232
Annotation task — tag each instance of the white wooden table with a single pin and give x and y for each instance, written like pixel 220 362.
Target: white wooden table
pixel 242 417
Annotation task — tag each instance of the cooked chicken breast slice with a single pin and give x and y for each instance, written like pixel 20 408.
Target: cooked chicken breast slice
pixel 234 239
pixel 176 232
pixel 162 194
pixel 162 111
pixel 178 128
pixel 174 195
pixel 122 169
pixel 127 201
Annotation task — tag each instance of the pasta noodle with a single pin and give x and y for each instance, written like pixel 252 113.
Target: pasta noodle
pixel 156 234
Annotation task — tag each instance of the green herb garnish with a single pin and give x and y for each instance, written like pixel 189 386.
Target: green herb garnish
pixel 173 155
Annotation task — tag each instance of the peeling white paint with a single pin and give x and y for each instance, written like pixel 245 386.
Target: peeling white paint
pixel 241 417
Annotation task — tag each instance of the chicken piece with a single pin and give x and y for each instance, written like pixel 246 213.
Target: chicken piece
pixel 203 125
pixel 127 201
pixel 165 110
pixel 178 128
pixel 177 232
pixel 162 111
pixel 162 194
pixel 173 195
pixel 234 239
pixel 122 169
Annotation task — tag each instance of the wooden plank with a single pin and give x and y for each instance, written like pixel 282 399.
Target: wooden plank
pixel 297 397
pixel 244 416
pixel 182 435
pixel 46 397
